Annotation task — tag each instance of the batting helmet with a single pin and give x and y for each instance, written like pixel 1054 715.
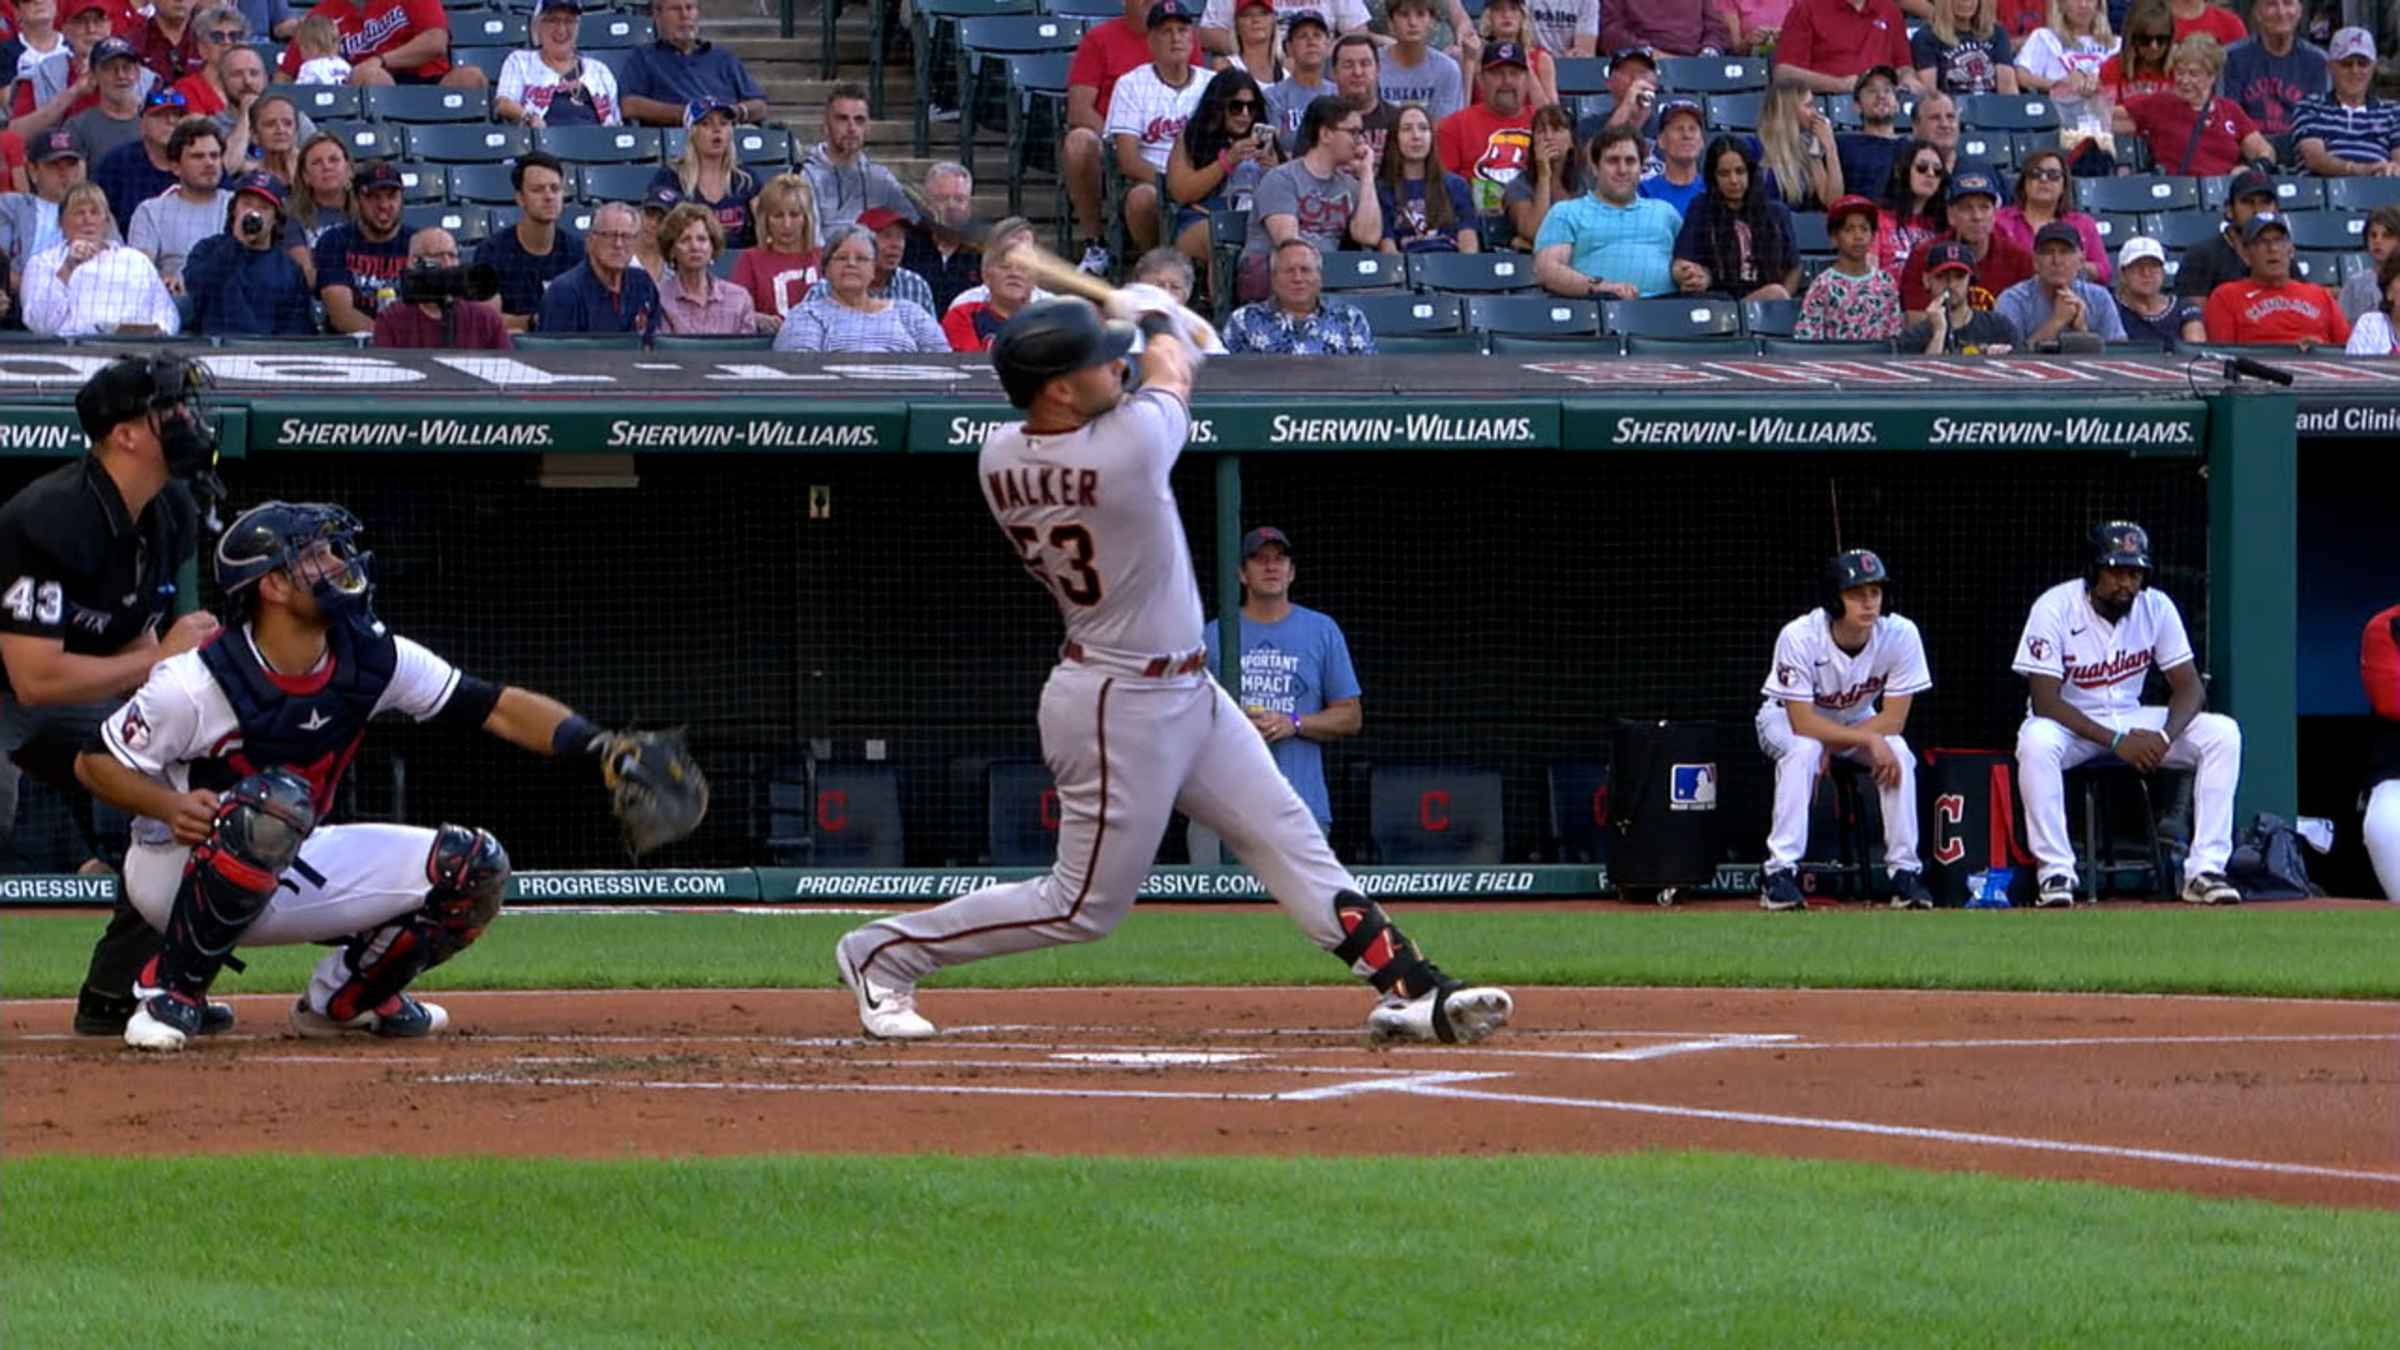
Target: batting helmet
pixel 1858 567
pixel 132 387
pixel 1054 338
pixel 2120 543
pixel 273 536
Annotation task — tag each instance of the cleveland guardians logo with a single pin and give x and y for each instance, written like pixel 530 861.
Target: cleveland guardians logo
pixel 1868 562
pixel 133 730
pixel 1505 155
pixel 2038 648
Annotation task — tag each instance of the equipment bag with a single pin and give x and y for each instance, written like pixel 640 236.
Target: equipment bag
pixel 1663 804
pixel 2268 864
pixel 1967 800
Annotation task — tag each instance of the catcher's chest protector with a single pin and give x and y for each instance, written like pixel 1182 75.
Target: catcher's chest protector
pixel 311 724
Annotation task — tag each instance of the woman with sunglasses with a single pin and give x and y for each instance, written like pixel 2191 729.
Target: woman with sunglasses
pixel 2140 67
pixel 2042 198
pixel 2194 131
pixel 1216 163
pixel 216 29
pixel 1915 198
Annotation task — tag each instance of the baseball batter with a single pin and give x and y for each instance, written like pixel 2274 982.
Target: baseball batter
pixel 1841 685
pixel 1132 725
pixel 229 755
pixel 2379 670
pixel 2086 649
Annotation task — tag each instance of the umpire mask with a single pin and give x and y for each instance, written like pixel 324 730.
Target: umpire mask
pixel 164 388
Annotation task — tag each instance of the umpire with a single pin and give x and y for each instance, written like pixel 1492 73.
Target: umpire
pixel 88 556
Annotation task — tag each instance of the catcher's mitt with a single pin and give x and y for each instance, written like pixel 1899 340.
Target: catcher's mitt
pixel 656 790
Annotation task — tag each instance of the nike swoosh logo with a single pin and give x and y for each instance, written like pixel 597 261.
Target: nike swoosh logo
pixel 866 991
pixel 2076 632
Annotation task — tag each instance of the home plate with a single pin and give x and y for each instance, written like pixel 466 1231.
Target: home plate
pixel 1157 1057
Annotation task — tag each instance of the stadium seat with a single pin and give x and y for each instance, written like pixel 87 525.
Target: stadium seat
pixel 1688 348
pixel 1770 318
pixel 587 342
pixel 600 145
pixel 321 102
pixel 604 33
pixel 713 342
pixel 1734 112
pixel 1434 815
pixel 1360 270
pixel 763 150
pixel 2179 230
pixel 2008 112
pixel 1555 348
pixel 1535 316
pixel 1471 273
pixel 2115 229
pixel 1712 74
pixel 425 103
pixel 2143 193
pixel 1674 316
pixel 2302 193
pixel 854 819
pixel 1228 232
pixel 1579 810
pixel 501 218
pixel 1083 9
pixel 1429 344
pixel 613 182
pixel 489 60
pixel 424 183
pixel 1037 116
pixel 2324 269
pixel 1991 149
pixel 984 44
pixel 1021 803
pixel 2361 193
pixel 487 30
pixel 482 185
pixel 366 140
pixel 1412 315
pixel 471 224
pixel 2327 231
pixel 1578 76
pixel 1785 346
pixel 1809 234
pixel 934 36
pixel 487 144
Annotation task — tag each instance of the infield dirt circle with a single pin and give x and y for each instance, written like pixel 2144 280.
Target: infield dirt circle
pixel 2282 1099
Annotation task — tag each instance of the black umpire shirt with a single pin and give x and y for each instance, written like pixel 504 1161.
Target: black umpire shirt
pixel 78 567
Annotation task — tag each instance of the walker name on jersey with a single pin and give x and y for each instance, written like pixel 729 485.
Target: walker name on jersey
pixel 2123 665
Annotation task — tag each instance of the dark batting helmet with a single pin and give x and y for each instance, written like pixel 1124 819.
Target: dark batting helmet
pixel 273 536
pixel 2120 543
pixel 1858 567
pixel 1054 338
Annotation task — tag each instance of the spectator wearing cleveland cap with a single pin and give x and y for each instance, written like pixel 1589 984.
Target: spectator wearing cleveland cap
pixel 1673 173
pixel 2147 311
pixel 1490 142
pixel 2056 300
pixel 122 82
pixel 2221 259
pixel 1307 76
pixel 1998 264
pixel 1146 114
pixel 892 281
pixel 140 169
pixel 2269 306
pixel 1950 324
pixel 1853 300
pixel 239 282
pixel 53 85
pixel 710 174
pixel 2348 132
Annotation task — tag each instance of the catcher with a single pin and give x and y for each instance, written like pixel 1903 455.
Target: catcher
pixel 229 756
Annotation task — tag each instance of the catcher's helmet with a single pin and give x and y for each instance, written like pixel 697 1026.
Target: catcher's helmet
pixel 1858 567
pixel 2120 543
pixel 273 536
pixel 1054 338
pixel 136 386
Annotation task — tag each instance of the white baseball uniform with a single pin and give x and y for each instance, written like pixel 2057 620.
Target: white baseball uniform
pixel 2100 667
pixel 1153 111
pixel 1842 687
pixel 348 879
pixel 1132 725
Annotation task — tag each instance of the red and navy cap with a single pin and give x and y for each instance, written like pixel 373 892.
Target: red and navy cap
pixel 1261 537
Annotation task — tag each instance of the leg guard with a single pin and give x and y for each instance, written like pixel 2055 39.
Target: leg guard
pixel 1379 953
pixel 231 876
pixel 469 872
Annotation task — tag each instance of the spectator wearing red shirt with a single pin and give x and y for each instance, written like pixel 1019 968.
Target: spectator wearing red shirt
pixel 1107 52
pixel 1827 44
pixel 972 325
pixel 2140 65
pixel 44 100
pixel 2199 16
pixel 392 42
pixel 1999 264
pixel 1490 141
pixel 2268 306
pixel 2193 131
pixel 165 41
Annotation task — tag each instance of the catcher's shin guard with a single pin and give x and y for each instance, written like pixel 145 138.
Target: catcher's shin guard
pixel 231 876
pixel 1379 953
pixel 469 871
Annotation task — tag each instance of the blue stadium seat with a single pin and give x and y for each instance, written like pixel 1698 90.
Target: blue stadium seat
pixel 1471 273
pixel 1434 814
pixel 487 59
pixel 2292 193
pixel 424 183
pixel 366 140
pixel 425 103
pixel 1577 75
pixel 1430 344
pixel 600 145
pixel 577 217
pixel 1991 149
pixel 472 224
pixel 1734 112
pixel 2115 229
pixel 604 33
pixel 487 144
pixel 2008 112
pixel 1536 316
pixel 1360 270
pixel 1037 115
pixel 712 342
pixel 1674 316
pixel 320 102
pixel 2324 269
pixel 1809 233
pixel 2327 231
pixel 1411 315
pixel 2179 230
pixel 613 182
pixel 1770 318
pixel 1712 74
pixel 984 47
pixel 763 150
pixel 487 30
pixel 2354 264
pixel 1082 9
pixel 482 185
pixel 1688 348
pixel 933 40
pixel 2144 193
pixel 2362 194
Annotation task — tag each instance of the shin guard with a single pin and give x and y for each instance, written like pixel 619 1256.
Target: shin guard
pixel 261 822
pixel 1379 953
pixel 468 872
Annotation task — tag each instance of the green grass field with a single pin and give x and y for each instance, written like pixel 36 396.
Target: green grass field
pixel 1646 1249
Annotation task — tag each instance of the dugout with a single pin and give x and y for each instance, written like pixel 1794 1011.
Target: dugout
pixel 788 554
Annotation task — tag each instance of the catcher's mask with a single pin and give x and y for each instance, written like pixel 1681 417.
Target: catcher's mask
pixel 315 543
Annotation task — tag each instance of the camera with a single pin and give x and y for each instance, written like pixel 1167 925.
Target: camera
pixel 441 285
pixel 252 226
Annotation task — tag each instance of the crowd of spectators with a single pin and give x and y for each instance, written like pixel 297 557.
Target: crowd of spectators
pixel 1405 128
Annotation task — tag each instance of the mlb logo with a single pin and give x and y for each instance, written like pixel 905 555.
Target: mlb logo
pixel 1692 787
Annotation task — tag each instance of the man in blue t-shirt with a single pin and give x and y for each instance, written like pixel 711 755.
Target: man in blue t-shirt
pixel 1297 683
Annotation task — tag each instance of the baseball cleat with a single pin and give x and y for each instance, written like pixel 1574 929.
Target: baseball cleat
pixel 398 1018
pixel 2210 888
pixel 93 1009
pixel 163 1023
pixel 1908 891
pixel 1781 892
pixel 2056 889
pixel 1454 1015
pixel 886 1014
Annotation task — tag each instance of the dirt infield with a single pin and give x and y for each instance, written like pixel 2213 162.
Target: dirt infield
pixel 2281 1099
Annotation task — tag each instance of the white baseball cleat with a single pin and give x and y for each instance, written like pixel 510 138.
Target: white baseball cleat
pixel 162 1023
pixel 1459 1014
pixel 887 1014
pixel 398 1018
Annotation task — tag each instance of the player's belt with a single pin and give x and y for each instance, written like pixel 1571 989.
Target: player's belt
pixel 1156 668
